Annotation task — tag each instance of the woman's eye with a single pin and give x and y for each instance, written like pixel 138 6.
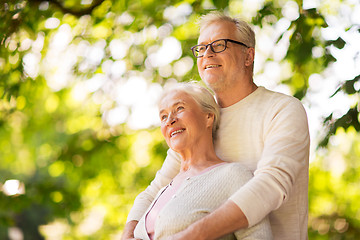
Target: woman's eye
pixel 163 117
pixel 180 108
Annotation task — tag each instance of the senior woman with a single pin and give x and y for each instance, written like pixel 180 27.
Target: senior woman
pixel 189 119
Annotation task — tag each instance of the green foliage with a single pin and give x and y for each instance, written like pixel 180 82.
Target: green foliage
pixel 333 194
pixel 349 119
pixel 219 4
pixel 81 173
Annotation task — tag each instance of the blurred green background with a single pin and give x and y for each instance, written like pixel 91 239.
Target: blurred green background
pixel 79 81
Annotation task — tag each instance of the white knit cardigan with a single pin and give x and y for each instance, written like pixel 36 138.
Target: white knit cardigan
pixel 197 197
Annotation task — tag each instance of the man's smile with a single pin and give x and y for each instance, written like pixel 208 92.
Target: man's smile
pixel 212 66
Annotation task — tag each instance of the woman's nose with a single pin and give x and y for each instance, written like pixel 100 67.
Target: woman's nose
pixel 171 119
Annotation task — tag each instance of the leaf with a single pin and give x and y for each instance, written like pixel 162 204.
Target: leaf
pixel 221 4
pixel 347 120
pixel 348 87
pixel 339 43
pixel 337 90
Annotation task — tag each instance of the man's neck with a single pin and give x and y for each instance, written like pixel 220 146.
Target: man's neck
pixel 234 95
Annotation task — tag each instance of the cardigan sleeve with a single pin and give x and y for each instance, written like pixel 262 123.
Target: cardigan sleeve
pixel 261 230
pixel 168 171
pixel 285 155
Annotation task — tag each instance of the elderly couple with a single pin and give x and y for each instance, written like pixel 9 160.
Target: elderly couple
pixel 244 176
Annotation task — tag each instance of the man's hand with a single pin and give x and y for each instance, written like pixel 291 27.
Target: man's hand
pixel 188 233
pixel 226 219
pixel 129 228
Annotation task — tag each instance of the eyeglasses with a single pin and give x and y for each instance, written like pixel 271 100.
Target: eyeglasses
pixel 216 46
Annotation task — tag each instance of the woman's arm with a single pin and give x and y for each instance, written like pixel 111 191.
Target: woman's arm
pixel 167 172
pixel 129 228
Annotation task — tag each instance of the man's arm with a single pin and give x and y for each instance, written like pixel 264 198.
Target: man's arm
pixel 226 219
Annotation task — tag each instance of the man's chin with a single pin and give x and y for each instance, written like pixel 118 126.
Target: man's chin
pixel 215 85
pixel 210 81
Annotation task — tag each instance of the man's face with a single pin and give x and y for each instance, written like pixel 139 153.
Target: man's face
pixel 220 71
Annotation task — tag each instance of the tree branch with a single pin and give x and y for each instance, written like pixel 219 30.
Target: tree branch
pixel 76 12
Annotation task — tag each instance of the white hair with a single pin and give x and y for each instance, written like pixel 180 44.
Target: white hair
pixel 245 32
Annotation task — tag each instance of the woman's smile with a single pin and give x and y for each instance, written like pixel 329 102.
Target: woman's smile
pixel 176 132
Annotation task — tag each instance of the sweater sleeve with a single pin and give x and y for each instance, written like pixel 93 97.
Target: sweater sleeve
pixel 168 171
pixel 285 155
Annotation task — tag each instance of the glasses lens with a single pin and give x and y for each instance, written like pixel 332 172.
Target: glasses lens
pixel 199 50
pixel 216 46
pixel 219 45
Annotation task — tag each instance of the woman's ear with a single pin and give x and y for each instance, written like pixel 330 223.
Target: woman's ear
pixel 210 119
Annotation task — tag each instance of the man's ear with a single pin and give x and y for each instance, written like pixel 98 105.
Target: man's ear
pixel 250 56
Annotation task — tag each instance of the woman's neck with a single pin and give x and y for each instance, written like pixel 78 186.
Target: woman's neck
pixel 199 161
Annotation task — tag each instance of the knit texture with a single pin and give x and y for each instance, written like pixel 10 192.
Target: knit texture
pixel 200 195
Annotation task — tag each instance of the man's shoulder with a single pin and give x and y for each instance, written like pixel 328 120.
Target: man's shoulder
pixel 276 95
pixel 275 98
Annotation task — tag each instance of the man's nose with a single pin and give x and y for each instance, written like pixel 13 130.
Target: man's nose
pixel 208 52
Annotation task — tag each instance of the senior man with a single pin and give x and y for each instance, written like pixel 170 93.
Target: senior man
pixel 265 130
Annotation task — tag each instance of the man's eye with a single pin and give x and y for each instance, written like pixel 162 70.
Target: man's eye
pixel 201 49
pixel 218 45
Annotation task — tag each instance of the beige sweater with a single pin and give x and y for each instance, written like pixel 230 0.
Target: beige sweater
pixel 267 132
pixel 197 197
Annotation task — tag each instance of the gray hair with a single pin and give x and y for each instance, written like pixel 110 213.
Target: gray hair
pixel 245 32
pixel 202 97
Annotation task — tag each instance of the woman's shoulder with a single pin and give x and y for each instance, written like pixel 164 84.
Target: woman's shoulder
pixel 228 177
pixel 235 169
pixel 236 166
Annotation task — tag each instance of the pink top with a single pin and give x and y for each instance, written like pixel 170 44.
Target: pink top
pixel 165 196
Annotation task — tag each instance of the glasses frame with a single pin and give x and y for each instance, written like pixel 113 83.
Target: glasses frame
pixel 212 48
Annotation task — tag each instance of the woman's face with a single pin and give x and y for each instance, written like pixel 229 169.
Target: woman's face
pixel 183 123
